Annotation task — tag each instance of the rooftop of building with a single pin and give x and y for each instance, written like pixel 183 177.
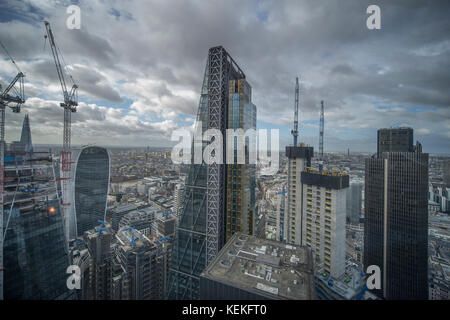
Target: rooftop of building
pixel 331 172
pixel 330 179
pixel 347 286
pixel 265 267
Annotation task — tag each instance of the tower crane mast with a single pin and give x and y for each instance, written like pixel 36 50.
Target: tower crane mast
pixel 295 131
pixel 70 105
pixel 321 137
pixel 321 131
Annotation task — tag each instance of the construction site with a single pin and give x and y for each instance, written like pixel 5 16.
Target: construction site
pixel 33 197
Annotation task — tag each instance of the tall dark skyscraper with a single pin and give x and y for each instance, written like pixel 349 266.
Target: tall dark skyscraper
pixel 396 216
pixel 201 231
pixel 88 191
pixel 395 140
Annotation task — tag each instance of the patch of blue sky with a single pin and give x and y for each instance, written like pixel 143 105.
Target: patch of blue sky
pixel 9 12
pixel 124 105
pixel 120 14
pixel 262 15
pixel 410 108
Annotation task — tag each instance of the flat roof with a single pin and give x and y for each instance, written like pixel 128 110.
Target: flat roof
pixel 265 267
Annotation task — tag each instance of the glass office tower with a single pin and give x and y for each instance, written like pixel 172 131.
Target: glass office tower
pixel 90 189
pixel 240 207
pixel 396 217
pixel 35 250
pixel 201 229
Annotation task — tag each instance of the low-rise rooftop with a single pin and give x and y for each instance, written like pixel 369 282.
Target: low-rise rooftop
pixel 265 267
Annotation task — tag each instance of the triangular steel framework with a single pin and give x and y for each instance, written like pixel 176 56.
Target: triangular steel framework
pixel 200 233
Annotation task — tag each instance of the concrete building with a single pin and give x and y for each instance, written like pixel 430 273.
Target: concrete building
pixel 396 218
pixel 446 170
pixel 141 219
pixel 165 224
pixel 97 277
pixel 178 198
pixel 354 201
pixel 324 214
pixel 249 268
pixel 116 214
pixel 299 157
pixel 142 263
pixel 439 195
pixel 282 216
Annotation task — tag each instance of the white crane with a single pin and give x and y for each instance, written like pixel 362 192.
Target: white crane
pixel 70 105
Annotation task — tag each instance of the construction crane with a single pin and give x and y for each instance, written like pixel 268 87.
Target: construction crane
pixel 133 241
pixel 13 98
pixel 321 137
pixel 102 222
pixel 166 214
pixel 163 239
pixel 70 105
pixel 100 230
pixel 295 131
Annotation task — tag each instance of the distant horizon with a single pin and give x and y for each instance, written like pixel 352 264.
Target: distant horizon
pixel 168 148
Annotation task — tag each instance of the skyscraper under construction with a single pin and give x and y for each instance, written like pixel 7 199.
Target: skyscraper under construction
pixel 218 198
pixel 35 250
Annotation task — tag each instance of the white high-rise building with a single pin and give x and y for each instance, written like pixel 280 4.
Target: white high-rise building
pixel 178 197
pixel 324 217
pixel 317 210
pixel 298 159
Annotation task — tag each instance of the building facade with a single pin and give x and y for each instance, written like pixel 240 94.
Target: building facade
pixel 439 197
pixel 282 216
pixel 35 248
pixel 240 200
pixel 299 157
pixel 141 262
pixel 396 221
pixel 324 215
pixel 89 189
pixel 354 201
pixel 201 230
pixel 395 139
pixel 97 281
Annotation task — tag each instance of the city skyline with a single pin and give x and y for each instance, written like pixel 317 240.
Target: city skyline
pixel 161 197
pixel 139 99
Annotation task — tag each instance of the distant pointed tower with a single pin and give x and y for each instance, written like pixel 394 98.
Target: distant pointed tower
pixel 25 137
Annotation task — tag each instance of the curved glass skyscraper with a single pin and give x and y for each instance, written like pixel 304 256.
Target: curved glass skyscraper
pixel 91 174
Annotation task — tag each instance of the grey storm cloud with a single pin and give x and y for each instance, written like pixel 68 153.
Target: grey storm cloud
pixel 154 53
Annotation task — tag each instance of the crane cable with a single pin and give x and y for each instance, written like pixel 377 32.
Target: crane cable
pixel 62 57
pixel 4 48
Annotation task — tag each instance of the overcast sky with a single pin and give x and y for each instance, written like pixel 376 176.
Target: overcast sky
pixel 139 66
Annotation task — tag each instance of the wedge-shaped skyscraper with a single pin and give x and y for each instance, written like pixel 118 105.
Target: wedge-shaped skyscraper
pixel 218 198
